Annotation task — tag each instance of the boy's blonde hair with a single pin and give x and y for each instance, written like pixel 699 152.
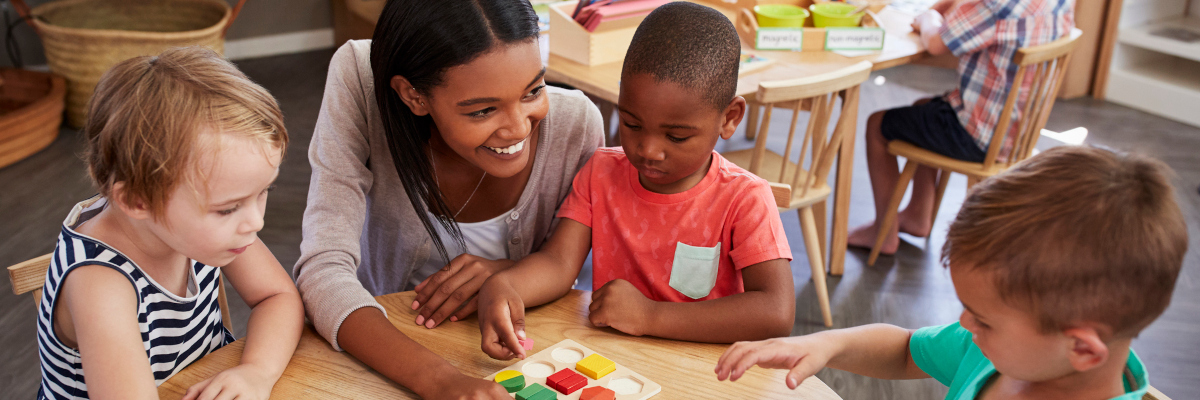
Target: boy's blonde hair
pixel 146 113
pixel 1076 234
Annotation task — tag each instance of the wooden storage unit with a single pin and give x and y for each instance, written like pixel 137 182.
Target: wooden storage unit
pixel 1156 72
pixel 605 45
pixel 31 110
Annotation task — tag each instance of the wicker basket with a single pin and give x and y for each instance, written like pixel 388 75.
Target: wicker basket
pixel 31 110
pixel 84 38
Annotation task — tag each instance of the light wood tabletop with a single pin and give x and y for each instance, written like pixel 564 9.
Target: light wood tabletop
pixel 684 369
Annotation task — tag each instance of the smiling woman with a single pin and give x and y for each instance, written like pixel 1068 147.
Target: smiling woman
pixel 440 156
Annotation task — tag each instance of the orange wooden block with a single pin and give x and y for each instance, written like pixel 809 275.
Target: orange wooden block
pixel 597 393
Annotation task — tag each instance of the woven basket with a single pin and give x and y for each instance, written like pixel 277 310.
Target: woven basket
pixel 84 38
pixel 31 110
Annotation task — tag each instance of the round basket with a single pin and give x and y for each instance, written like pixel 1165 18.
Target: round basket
pixel 84 38
pixel 31 110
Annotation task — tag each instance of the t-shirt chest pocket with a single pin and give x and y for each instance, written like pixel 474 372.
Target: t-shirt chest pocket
pixel 694 269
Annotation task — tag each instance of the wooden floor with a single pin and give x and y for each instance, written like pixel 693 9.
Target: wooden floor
pixel 909 290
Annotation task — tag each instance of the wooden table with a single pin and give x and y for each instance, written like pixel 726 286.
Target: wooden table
pixel 684 369
pixel 901 46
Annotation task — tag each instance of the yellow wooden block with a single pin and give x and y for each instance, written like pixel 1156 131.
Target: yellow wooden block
pixel 506 375
pixel 595 366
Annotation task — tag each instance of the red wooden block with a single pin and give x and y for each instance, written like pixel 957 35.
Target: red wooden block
pixel 555 380
pixel 597 393
pixel 570 385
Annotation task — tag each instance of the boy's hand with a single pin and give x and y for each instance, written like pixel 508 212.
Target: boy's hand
pixel 622 306
pixel 501 320
pixel 243 382
pixel 803 355
pixel 462 387
pixel 453 288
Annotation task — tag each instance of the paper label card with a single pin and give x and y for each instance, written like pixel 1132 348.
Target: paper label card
pixel 779 39
pixel 854 38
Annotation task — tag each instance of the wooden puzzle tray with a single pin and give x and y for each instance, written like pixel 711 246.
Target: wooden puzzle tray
pixel 536 368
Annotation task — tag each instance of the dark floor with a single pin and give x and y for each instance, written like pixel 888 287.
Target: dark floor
pixel 910 290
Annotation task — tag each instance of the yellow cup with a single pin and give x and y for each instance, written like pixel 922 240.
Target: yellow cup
pixel 780 16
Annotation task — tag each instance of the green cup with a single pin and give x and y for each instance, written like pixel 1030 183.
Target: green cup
pixel 835 15
pixel 780 16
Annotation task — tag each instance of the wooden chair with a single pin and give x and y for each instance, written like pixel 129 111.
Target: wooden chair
pixel 28 276
pixel 801 184
pixel 1046 64
pixel 1154 394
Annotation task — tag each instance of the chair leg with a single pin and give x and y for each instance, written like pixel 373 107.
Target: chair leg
pixel 943 180
pixel 752 119
pixel 893 208
pixel 819 216
pixel 809 227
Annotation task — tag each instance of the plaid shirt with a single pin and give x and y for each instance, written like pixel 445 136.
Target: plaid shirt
pixel 984 35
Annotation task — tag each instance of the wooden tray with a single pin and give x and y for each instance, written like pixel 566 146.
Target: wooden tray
pixel 31 110
pixel 565 354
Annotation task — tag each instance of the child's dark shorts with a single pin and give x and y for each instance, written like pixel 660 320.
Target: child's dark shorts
pixel 932 126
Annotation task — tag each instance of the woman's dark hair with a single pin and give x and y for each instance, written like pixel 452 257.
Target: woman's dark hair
pixel 420 40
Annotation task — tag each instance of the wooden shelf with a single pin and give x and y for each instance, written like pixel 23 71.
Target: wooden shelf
pixel 1169 88
pixel 1144 37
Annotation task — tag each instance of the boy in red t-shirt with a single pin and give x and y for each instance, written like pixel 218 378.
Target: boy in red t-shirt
pixel 685 244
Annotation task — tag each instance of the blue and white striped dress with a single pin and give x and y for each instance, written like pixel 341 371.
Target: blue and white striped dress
pixel 176 331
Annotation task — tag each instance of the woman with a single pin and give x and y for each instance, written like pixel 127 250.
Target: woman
pixel 442 122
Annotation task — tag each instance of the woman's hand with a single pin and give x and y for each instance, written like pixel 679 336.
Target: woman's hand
pixel 620 305
pixel 803 355
pixel 501 320
pixel 243 382
pixel 450 293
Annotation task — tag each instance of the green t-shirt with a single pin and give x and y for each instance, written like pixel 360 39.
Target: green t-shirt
pixel 948 354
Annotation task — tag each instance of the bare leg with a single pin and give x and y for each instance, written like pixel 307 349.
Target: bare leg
pixel 884 174
pixel 917 217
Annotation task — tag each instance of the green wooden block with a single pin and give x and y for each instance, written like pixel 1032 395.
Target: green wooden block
pixel 547 394
pixel 532 390
pixel 513 385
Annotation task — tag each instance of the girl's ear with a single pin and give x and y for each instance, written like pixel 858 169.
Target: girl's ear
pixel 732 116
pixel 410 96
pixel 135 208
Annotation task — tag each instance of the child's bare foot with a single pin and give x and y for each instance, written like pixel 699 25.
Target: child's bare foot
pixel 918 226
pixel 864 237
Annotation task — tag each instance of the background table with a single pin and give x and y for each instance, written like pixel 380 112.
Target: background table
pixel 684 369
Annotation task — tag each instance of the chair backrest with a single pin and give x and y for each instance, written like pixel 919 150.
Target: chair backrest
pixel 30 275
pixel 1046 64
pixel 1154 394
pixel 818 147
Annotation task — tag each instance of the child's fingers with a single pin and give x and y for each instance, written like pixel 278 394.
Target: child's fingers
pixel 494 332
pixel 513 339
pixel 731 355
pixel 210 392
pixel 805 368
pixel 194 392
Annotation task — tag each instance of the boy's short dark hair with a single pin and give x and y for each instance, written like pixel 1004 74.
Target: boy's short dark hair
pixel 691 45
pixel 1076 234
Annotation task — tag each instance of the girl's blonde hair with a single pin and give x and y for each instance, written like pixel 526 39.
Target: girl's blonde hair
pixel 146 113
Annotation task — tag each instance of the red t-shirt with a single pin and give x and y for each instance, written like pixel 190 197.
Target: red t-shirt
pixel 679 247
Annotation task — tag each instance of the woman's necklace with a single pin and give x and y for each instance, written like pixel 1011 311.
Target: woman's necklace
pixel 435 181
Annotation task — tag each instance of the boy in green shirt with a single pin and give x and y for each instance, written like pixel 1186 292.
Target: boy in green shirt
pixel 1059 263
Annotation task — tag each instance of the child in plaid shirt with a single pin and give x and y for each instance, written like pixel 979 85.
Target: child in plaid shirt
pixel 984 35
